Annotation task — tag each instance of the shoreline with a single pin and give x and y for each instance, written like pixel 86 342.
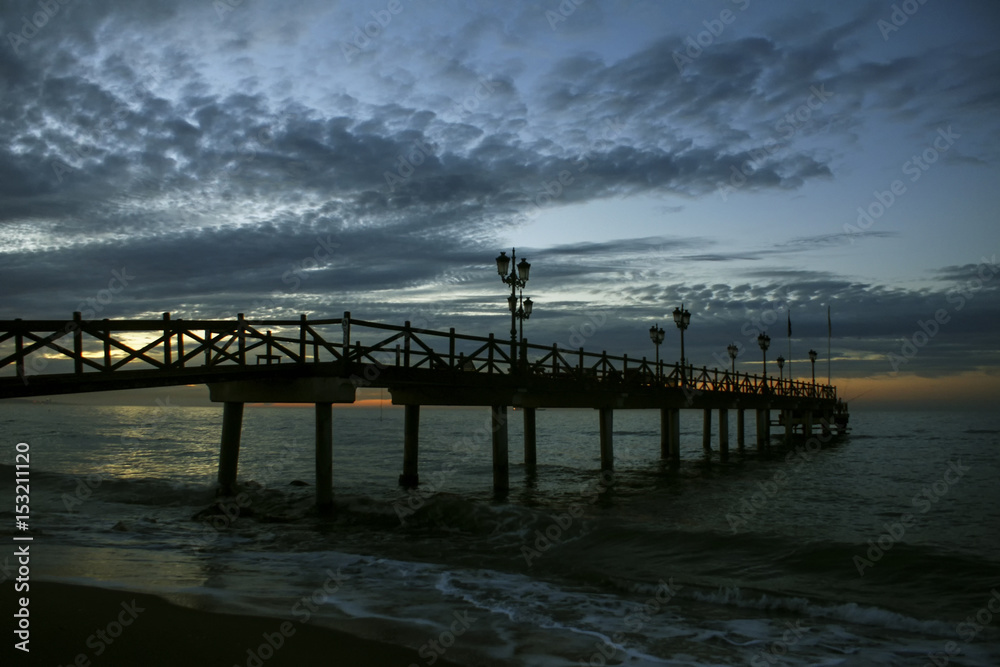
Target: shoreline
pixel 121 627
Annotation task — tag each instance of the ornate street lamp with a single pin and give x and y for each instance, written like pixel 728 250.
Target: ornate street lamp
pixel 656 334
pixel 682 318
pixel 517 279
pixel 733 351
pixel 524 313
pixel 781 375
pixel 765 342
pixel 812 358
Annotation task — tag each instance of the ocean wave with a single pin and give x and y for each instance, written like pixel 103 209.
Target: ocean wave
pixel 851 612
pixel 454 514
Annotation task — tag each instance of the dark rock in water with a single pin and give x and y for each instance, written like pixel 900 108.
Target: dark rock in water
pixel 298 482
pixel 120 527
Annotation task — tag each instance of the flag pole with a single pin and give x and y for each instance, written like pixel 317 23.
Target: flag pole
pixel 829 335
pixel 789 312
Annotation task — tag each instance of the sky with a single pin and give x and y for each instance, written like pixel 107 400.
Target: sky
pixel 755 161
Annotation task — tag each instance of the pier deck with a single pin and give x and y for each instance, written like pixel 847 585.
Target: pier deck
pixel 325 361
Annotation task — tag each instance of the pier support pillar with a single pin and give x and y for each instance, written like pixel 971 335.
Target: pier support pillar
pixel 723 433
pixel 762 418
pixel 706 432
pixel 825 422
pixel 530 450
pixel 786 416
pixel 675 436
pixel 229 453
pixel 501 465
pixel 807 423
pixel 607 439
pixel 324 457
pixel 664 433
pixel 740 424
pixel 411 445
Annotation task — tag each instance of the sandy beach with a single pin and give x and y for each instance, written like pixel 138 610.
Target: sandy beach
pixel 81 625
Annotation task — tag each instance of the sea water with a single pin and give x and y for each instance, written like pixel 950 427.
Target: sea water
pixel 879 547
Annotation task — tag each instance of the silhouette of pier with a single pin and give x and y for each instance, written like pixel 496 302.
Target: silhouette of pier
pixel 325 361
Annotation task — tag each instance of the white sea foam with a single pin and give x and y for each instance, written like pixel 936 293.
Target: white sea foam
pixel 850 611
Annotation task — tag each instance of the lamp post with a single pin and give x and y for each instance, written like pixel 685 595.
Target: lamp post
pixel 521 309
pixel 517 279
pixel 781 375
pixel 812 358
pixel 733 351
pixel 682 318
pixel 656 334
pixel 765 342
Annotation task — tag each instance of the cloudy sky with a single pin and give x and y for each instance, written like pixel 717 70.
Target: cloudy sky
pixel 742 157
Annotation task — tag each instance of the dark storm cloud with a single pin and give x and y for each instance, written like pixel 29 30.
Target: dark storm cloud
pixel 832 240
pixel 870 322
pixel 741 91
pixel 983 270
pixel 626 246
pixel 96 137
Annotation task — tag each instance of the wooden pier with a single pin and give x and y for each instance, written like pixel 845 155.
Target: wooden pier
pixel 325 361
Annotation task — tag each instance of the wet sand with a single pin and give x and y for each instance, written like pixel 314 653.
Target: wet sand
pixel 151 631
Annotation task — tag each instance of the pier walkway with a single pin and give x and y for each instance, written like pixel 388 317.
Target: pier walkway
pixel 324 361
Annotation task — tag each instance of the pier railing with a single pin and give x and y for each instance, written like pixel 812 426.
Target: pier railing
pixel 77 346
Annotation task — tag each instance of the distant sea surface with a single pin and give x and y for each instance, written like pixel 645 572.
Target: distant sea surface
pixel 878 548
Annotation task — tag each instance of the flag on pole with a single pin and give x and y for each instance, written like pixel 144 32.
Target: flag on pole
pixel 789 323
